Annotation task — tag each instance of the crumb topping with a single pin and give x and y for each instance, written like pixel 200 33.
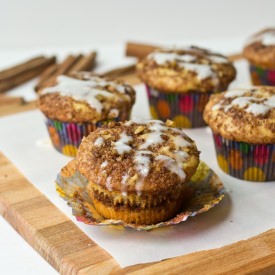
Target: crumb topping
pixel 245 115
pixel 190 59
pixel 86 97
pixel 138 156
pixel 260 49
pixel 89 91
pixel 265 37
pixel 185 69
pixel 257 101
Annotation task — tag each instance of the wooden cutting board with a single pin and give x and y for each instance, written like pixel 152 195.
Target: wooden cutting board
pixel 70 251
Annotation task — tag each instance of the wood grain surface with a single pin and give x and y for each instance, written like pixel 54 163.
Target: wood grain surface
pixel 70 251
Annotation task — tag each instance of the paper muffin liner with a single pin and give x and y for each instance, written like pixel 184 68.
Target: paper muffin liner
pixel 185 109
pixel 66 136
pixel 251 162
pixel 208 191
pixel 260 76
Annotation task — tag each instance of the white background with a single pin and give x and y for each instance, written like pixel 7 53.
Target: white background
pixel 35 24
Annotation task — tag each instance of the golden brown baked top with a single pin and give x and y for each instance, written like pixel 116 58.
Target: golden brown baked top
pixel 137 156
pixel 246 115
pixel 260 49
pixel 185 70
pixel 86 97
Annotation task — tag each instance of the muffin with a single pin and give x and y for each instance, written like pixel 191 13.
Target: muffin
pixel 138 171
pixel 260 53
pixel 243 125
pixel 180 81
pixel 76 105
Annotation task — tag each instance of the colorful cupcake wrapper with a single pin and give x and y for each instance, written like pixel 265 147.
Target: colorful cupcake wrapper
pixel 185 109
pixel 207 189
pixel 66 136
pixel 260 76
pixel 252 162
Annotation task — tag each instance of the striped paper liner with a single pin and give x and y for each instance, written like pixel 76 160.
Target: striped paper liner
pixel 66 136
pixel 252 162
pixel 185 109
pixel 260 76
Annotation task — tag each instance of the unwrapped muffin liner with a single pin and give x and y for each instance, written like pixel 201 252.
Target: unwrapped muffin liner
pixel 260 76
pixel 208 191
pixel 185 109
pixel 251 162
pixel 66 136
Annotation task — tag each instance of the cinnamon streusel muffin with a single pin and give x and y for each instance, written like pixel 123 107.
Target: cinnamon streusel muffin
pixel 75 106
pixel 180 81
pixel 260 53
pixel 138 170
pixel 243 125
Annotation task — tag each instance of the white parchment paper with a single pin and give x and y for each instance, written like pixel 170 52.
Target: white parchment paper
pixel 246 210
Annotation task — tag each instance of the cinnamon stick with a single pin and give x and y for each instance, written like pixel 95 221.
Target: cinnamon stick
pixel 36 62
pixel 142 50
pixel 127 74
pixel 46 74
pixel 66 65
pixel 85 63
pixel 70 65
pixel 139 50
pixel 10 100
pixel 19 74
pixel 120 71
pixel 62 68
pixel 235 57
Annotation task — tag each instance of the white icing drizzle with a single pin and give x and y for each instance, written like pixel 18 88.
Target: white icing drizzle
pixel 235 93
pixel 241 102
pixel 151 139
pixel 99 141
pixel 266 38
pixel 163 57
pixel 203 70
pixel 109 184
pixel 104 164
pixel 179 141
pixel 139 186
pixel 157 126
pixel 121 145
pixel 125 177
pixel 270 102
pixel 257 109
pixel 84 90
pixel 216 107
pixel 172 165
pixel 180 156
pixel 142 154
pixel 142 160
pixel 251 104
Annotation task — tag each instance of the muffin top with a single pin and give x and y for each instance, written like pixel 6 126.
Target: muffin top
pixel 186 70
pixel 246 115
pixel 85 97
pixel 260 49
pixel 138 156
